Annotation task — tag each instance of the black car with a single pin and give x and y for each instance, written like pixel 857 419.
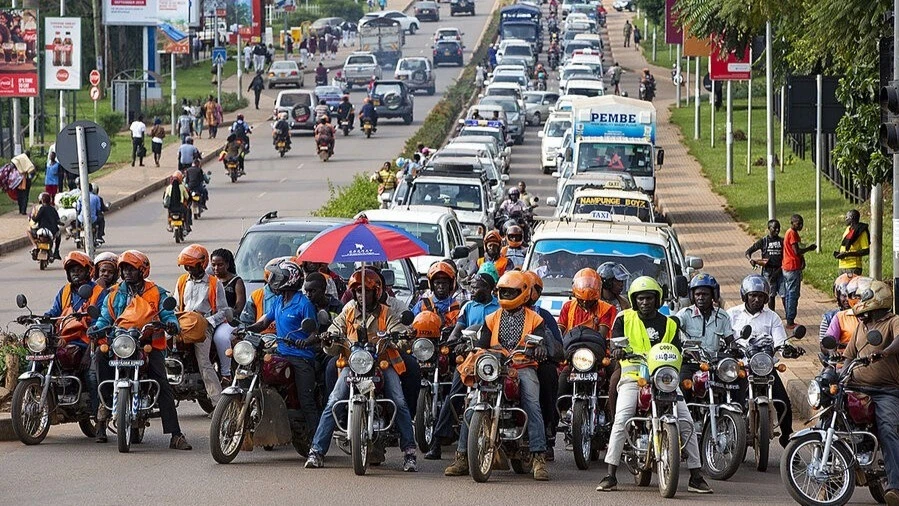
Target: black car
pixel 392 99
pixel 448 51
pixel 457 6
pixel 427 11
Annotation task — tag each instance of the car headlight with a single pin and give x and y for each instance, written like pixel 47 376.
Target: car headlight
pixel 36 340
pixel 473 230
pixel 583 359
pixel 243 353
pixel 423 349
pixel 728 370
pixel 124 346
pixel 814 394
pixel 487 368
pixel 361 362
pixel 666 379
pixel 761 364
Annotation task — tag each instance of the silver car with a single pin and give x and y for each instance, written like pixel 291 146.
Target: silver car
pixel 285 72
pixel 537 105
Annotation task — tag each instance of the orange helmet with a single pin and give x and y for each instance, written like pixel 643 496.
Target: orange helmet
pixel 536 284
pixel 194 255
pixel 427 324
pixel 135 259
pixel 78 258
pixel 586 285
pixel 514 290
pixel 518 233
pixel 372 282
pixel 493 236
pixel 177 176
pixel 442 268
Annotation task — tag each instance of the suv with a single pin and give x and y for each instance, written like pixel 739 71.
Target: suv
pixel 457 6
pixel 417 73
pixel 298 104
pixel 448 51
pixel 516 125
pixel 392 99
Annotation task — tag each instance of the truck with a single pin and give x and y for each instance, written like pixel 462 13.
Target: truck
pixel 359 68
pixel 522 21
pixel 613 133
pixel 384 38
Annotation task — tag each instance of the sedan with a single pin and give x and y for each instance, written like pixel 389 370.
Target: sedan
pixel 332 95
pixel 285 72
pixel 410 24
pixel 448 51
pixel 427 11
pixel 537 105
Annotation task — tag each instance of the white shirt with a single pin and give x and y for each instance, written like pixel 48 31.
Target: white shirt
pixel 765 322
pixel 196 298
pixel 247 51
pixel 138 129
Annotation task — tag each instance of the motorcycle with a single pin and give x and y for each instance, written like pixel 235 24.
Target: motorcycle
pixel 722 444
pixel 541 81
pixel 324 150
pixel 178 226
pixel 367 127
pixel 759 355
pixel 232 167
pixel 653 440
pixel 345 126
pixel 78 234
pixel 434 359
pixel 43 254
pixel 134 395
pixel 321 79
pixel 183 374
pixel 261 407
pixel 553 60
pixel 196 204
pixel 647 91
pixel 281 146
pixel 51 392
pixel 824 464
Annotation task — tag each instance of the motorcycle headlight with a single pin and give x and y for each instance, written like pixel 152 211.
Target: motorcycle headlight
pixel 728 370
pixel 814 394
pixel 243 353
pixel 361 362
pixel 488 368
pixel 423 349
pixel 666 379
pixel 761 364
pixel 124 346
pixel 36 340
pixel 583 359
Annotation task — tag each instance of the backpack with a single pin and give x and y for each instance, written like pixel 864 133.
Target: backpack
pixel 239 129
pixel 10 177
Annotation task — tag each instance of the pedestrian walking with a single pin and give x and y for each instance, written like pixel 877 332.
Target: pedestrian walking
pixel 335 43
pixel 157 134
pixel 304 51
pixel 196 112
pixel 628 29
pixel 793 265
pixel 185 125
pixel 371 5
pixel 638 36
pixel 614 74
pixel 269 54
pixel 288 45
pixel 247 57
pixel 138 130
pixel 771 247
pixel 212 121
pixel 26 169
pixel 491 56
pixel 259 53
pixel 51 176
pixel 256 86
pixel 382 4
pixel 313 45
pixel 197 46
pixel 855 245
pixel 480 75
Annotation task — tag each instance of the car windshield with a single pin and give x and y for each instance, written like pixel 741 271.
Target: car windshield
pixel 574 74
pixel 510 106
pixel 346 269
pixel 444 45
pixel 359 60
pixel 257 248
pixel 608 207
pixel 387 89
pixel 575 45
pixel 329 91
pixel 492 132
pixel 584 91
pixel 426 5
pixel 294 99
pixel 447 33
pixel 523 31
pixel 413 65
pixel 464 197
pixel 557 128
pixel 533 98
pixel 636 159
pixel 510 78
pixel 432 235
pixel 518 51
pixel 557 260
pixel 283 65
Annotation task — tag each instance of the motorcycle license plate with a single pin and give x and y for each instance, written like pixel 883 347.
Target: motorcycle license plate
pixel 38 358
pixel 43 255
pixel 376 102
pixel 196 198
pixel 582 376
pixel 726 386
pixel 177 223
pixel 125 363
pixel 43 246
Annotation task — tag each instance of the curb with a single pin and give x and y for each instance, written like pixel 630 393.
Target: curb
pixel 6 432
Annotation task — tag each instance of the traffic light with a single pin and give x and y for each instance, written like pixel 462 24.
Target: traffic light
pixel 889 129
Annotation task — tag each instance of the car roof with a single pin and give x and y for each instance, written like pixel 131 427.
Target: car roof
pixel 448 41
pixel 580 67
pixel 504 85
pixel 281 63
pixel 627 231
pixel 297 224
pixel 422 179
pixel 589 82
pixel 414 58
pixel 611 192
pixel 410 214
pixel 472 138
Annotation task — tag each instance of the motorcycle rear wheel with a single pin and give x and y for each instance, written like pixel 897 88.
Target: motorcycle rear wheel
pixel 521 466
pixel 205 404
pixel 123 419
pixel 723 465
pixel 581 438
pixel 26 403
pixel 88 427
pixel 179 236
pixel 43 264
pixel 226 432
pixel 424 420
pixel 668 463
pixel 368 133
pixel 481 448
pixel 359 441
pixel 794 472
pixel 762 437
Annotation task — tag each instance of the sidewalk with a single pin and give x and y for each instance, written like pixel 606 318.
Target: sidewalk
pixel 127 184
pixel 703 226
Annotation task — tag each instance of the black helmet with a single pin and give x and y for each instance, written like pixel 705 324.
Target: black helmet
pixel 286 276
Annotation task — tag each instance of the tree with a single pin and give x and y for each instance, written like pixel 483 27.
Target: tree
pixel 654 10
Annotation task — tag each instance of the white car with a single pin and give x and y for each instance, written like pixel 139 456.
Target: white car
pixel 592 87
pixel 551 139
pixel 407 23
pixel 448 33
pixel 572 72
pixel 606 204
pixel 506 43
pixel 499 155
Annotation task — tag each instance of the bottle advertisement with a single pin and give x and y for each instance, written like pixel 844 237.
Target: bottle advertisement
pixel 62 53
pixel 18 53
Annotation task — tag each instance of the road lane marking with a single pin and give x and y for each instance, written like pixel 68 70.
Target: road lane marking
pixel 261 195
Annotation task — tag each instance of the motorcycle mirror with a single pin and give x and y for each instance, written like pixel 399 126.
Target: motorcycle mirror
pixel 389 277
pixel 93 312
pixel 423 284
pixel 169 303
pixel 875 338
pixel 746 332
pixel 85 291
pixel 21 301
pixel 208 172
pixel 460 252
pixel 800 332
pixel 619 342
pixel 323 317
pixel 308 325
pixel 407 318
pixel 829 343
pixel 532 340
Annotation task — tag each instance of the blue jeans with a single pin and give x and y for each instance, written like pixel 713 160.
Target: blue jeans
pixel 886 412
pixel 392 389
pixel 792 281
pixel 529 389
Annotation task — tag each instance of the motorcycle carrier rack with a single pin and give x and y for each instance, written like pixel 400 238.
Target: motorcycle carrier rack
pixel 153 395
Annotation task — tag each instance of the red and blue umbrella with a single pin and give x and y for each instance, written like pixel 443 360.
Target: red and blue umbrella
pixel 362 241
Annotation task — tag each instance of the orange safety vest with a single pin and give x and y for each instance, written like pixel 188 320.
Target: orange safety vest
pixel 449 317
pixel 141 310
pixel 393 354
pixel 258 297
pixel 501 264
pixel 848 326
pixel 591 320
pixel 72 330
pixel 532 320
pixel 182 282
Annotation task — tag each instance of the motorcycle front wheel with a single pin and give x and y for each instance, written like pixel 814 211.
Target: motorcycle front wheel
pixel 721 463
pixel 424 420
pixel 813 482
pixel 226 432
pixel 480 447
pixel 123 420
pixel 30 419
pixel 668 461
pixel 581 438
pixel 762 437
pixel 359 440
pixel 88 427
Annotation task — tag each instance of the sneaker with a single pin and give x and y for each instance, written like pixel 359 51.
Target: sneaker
pixel 179 442
pixel 410 465
pixel 435 453
pixel 314 461
pixel 459 467
pixel 608 484
pixel 539 466
pixel 891 497
pixel 699 486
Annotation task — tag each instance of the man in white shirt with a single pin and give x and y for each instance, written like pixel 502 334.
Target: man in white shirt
pixel 247 57
pixel 754 290
pixel 138 130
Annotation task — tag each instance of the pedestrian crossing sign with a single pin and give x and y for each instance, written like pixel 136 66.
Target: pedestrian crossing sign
pixel 219 56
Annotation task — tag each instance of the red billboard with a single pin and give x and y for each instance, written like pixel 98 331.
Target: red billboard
pixel 18 53
pixel 673 32
pixel 731 68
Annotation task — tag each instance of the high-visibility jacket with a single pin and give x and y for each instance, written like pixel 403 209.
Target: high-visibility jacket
pixel 638 339
pixel 182 282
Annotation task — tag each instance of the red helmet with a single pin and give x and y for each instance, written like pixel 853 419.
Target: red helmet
pixel 536 284
pixel 135 259
pixel 194 255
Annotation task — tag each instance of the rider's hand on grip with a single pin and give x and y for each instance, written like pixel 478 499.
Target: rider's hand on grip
pixel 540 353
pixel 22 320
pixel 618 353
pixel 171 329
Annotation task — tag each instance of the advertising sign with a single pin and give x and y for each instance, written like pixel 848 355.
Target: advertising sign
pixel 129 12
pixel 694 46
pixel 673 32
pixel 730 68
pixel 249 15
pixel 62 53
pixel 174 18
pixel 18 53
pixel 617 121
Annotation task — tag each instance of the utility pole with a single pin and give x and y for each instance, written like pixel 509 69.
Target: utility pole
pixel 819 162
pixel 729 136
pixel 16 120
pixel 769 112
pixel 697 129
pixel 62 93
pixel 749 123
pixel 895 162
pixel 677 94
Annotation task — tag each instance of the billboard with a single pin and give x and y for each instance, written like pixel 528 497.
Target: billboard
pixel 129 12
pixel 62 53
pixel 694 46
pixel 731 68
pixel 175 17
pixel 18 53
pixel 673 32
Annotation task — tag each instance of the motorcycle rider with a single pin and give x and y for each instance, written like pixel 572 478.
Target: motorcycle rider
pixel 844 324
pixel 880 379
pixel 755 290
pixel 260 301
pixel 379 319
pixel 645 326
pixel 196 180
pixel 187 154
pixel 648 82
pixel 514 249
pixel 841 294
pixel 45 216
pixel 442 281
pixel 370 113
pixel 321 75
pixel 94 204
pixel 234 149
pixel 176 199
pixel 513 204
pixel 202 293
pixel 288 310
pixel 506 330
pixel 613 278
pixel 281 130
pixel 346 112
pixel 242 130
pixel 324 133
pixel 106 270
pixel 493 253
pixel 133 303
pixel 321 110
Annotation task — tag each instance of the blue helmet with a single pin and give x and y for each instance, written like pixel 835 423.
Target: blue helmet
pixel 754 283
pixel 705 280
pixel 400 162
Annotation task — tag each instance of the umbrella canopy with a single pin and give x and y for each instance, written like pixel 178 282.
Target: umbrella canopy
pixel 362 241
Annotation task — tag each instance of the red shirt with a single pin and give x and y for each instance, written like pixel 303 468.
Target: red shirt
pixel 573 315
pixel 791 261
